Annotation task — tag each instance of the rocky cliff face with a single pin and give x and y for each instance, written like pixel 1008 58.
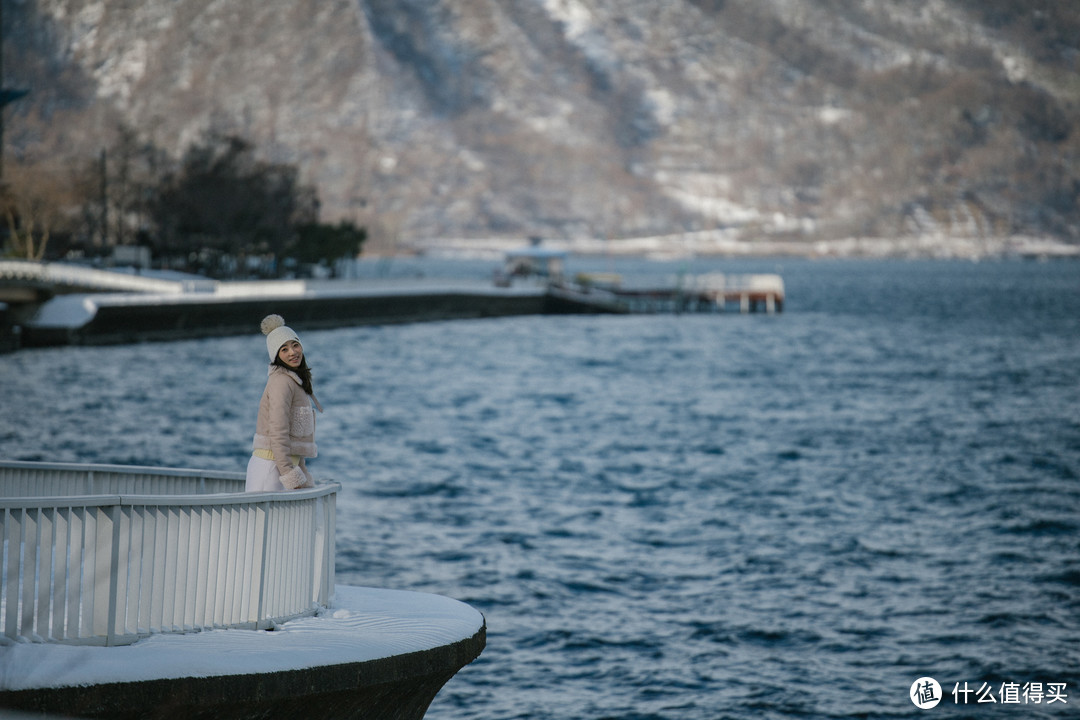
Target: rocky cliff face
pixel 740 120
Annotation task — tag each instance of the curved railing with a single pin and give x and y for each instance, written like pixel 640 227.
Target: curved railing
pixel 90 279
pixel 106 554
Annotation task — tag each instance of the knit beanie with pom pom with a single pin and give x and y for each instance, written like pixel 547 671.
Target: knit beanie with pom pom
pixel 277 334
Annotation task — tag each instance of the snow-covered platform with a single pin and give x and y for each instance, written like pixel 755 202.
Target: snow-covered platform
pixel 373 654
pixel 234 308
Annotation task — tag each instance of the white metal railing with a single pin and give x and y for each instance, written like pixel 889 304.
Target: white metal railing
pixel 105 554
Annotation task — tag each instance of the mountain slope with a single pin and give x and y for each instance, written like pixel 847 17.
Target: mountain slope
pixel 748 119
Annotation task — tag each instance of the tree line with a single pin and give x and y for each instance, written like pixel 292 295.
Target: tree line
pixel 217 210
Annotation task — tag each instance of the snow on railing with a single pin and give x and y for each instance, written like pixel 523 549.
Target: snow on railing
pixel 94 279
pixel 104 555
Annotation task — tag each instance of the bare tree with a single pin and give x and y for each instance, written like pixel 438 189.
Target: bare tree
pixel 34 203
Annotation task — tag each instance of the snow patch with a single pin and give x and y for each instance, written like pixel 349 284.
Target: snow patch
pixel 1014 68
pixel 66 311
pixel 662 103
pixel 573 14
pixel 832 115
pixel 119 74
pixel 362 624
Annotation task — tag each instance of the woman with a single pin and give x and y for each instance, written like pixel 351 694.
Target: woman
pixel 285 428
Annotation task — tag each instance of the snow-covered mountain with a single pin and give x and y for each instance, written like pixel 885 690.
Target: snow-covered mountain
pixel 822 123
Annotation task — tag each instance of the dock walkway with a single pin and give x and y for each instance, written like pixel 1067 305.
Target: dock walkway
pixel 51 304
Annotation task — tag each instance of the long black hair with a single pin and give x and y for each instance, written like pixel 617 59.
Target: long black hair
pixel 304 372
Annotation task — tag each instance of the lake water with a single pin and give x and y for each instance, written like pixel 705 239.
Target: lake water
pixel 687 517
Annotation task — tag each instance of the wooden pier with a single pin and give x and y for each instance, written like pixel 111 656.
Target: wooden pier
pixel 708 293
pixel 689 294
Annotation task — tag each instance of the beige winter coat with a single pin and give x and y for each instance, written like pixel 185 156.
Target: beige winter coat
pixel 286 426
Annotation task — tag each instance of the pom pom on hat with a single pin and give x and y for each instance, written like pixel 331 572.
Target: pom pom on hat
pixel 277 334
pixel 271 323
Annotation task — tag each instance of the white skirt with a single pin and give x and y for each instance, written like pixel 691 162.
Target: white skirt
pixel 263 476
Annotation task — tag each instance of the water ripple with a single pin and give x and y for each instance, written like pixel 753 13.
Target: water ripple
pixel 675 517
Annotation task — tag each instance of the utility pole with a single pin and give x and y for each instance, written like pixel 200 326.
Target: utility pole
pixel 3 95
pixel 103 167
pixel 7 95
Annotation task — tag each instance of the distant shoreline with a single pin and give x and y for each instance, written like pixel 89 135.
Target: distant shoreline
pixel 723 245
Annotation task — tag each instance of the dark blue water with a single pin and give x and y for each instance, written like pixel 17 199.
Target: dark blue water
pixel 676 516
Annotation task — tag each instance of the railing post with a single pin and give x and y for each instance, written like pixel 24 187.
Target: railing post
pixel 45 536
pixel 103 589
pixel 13 528
pixel 261 532
pixel 76 561
pixel 29 551
pixel 318 550
pixel 61 571
pixel 113 529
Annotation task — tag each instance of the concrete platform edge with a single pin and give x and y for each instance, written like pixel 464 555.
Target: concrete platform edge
pixel 399 687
